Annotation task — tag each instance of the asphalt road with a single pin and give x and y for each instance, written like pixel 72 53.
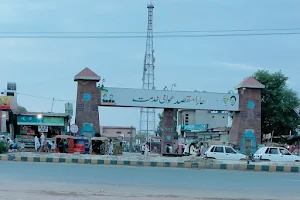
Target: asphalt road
pixel 24 181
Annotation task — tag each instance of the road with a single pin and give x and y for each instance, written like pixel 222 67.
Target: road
pixel 33 181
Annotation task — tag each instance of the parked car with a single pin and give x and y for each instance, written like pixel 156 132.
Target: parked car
pixel 296 152
pixel 275 154
pixel 223 153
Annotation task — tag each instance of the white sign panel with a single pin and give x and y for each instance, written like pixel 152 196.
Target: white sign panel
pixel 74 129
pixel 43 129
pixel 125 97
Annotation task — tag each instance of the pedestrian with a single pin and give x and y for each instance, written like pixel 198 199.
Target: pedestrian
pixel 168 148
pixel 37 143
pixel 147 149
pixel 61 146
pixel 65 145
pixel 171 148
pixel 202 149
pixel 143 149
pixel 110 147
pixel 42 139
pixel 186 149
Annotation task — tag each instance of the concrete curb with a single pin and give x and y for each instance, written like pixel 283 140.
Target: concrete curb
pixel 191 165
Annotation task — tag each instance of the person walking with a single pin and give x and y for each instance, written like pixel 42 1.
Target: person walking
pixel 42 139
pixel 110 147
pixel 37 143
pixel 202 149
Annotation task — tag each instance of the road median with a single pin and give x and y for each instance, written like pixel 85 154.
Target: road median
pixel 117 160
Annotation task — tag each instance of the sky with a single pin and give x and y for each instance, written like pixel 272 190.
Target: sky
pixel 46 67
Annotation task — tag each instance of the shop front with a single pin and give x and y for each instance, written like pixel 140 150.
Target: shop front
pixel 31 124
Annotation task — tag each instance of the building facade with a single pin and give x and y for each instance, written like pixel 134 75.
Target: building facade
pixel 118 132
pixel 202 125
pixel 214 119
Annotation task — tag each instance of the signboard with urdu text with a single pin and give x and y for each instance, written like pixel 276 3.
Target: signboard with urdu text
pixel 125 97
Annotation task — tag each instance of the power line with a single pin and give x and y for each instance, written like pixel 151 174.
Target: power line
pixel 157 32
pixel 140 36
pixel 46 98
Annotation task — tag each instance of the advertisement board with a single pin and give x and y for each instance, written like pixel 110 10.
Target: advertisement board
pixel 5 102
pixel 125 97
pixel 33 120
pixel 195 127
pixel 69 108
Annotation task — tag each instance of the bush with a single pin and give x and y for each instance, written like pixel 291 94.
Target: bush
pixel 3 147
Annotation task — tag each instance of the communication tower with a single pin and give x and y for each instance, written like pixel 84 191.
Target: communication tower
pixel 147 115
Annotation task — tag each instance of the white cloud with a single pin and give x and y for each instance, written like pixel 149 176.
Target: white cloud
pixel 237 66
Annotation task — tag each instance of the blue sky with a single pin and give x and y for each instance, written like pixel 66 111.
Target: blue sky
pixel 46 67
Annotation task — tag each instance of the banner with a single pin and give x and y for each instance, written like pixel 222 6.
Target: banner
pixel 5 102
pixel 126 97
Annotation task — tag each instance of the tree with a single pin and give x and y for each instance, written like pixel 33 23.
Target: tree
pixel 277 103
pixel 22 109
pixel 141 137
pixel 159 129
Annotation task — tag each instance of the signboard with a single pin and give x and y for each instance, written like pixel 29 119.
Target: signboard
pixel 125 97
pixel 33 120
pixel 69 108
pixel 5 102
pixel 43 129
pixel 297 110
pixel 195 127
pixel 74 129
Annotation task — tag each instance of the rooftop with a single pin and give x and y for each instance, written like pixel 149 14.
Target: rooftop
pixel 117 127
pixel 250 82
pixel 87 74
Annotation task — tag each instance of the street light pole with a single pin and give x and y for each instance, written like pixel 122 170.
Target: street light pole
pixel 130 143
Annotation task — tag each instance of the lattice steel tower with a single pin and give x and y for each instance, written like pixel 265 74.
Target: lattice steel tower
pixel 147 115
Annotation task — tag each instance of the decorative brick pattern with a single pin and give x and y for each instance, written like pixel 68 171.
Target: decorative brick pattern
pixel 249 116
pixel 168 129
pixel 90 115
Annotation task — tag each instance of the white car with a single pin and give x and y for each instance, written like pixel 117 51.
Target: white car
pixel 279 154
pixel 223 153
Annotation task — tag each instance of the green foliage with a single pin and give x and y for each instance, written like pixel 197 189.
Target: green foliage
pixel 159 129
pixel 278 103
pixel 22 109
pixel 3 147
pixel 141 136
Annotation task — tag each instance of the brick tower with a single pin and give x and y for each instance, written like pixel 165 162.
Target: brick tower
pixel 247 121
pixel 87 99
pixel 168 129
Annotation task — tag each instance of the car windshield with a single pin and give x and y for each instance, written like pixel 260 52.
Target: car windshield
pixel 284 151
pixel 260 151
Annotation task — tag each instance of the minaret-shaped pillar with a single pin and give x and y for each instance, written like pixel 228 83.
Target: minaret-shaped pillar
pixel 87 99
pixel 246 124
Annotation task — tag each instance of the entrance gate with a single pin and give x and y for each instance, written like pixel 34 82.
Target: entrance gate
pixel 246 104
